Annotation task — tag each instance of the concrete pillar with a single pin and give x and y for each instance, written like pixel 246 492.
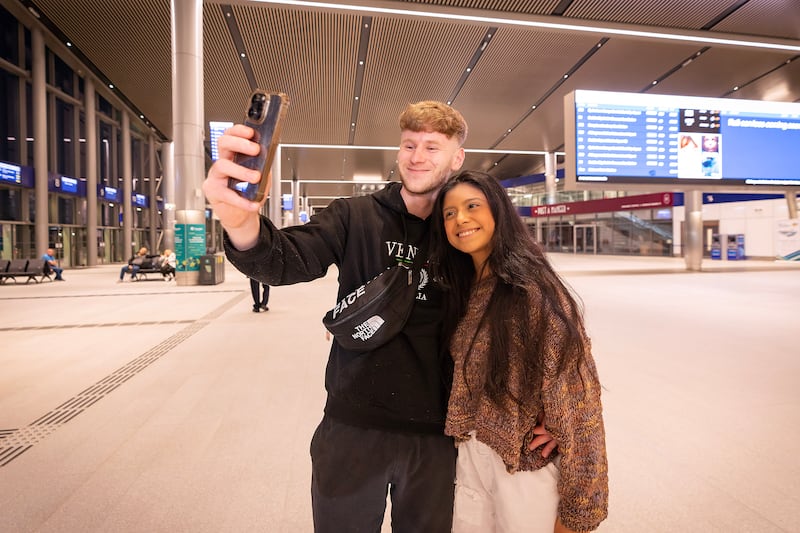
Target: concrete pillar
pixel 295 200
pixel 275 190
pixel 91 172
pixel 168 193
pixel 188 130
pixel 127 189
pixel 791 200
pixel 550 177
pixel 151 171
pixel 40 167
pixel 693 244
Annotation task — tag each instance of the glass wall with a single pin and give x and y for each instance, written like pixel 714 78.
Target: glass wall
pixel 67 156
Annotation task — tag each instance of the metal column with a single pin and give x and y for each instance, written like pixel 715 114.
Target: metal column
pixel 693 245
pixel 550 177
pixel 91 172
pixel 127 188
pixel 39 105
pixel 187 124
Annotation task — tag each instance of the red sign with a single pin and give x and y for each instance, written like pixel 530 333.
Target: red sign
pixel 642 201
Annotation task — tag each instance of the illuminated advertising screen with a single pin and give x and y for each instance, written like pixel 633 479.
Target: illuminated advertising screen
pixel 656 140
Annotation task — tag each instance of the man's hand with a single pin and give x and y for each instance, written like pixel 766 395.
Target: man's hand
pixel 238 216
pixel 543 437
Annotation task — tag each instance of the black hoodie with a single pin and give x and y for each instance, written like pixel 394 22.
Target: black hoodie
pixel 401 386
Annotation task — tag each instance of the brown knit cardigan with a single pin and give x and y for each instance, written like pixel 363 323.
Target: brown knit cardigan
pixel 570 401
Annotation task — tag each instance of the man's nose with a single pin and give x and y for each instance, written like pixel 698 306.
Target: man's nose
pixel 418 154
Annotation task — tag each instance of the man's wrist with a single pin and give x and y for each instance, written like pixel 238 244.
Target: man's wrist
pixel 245 236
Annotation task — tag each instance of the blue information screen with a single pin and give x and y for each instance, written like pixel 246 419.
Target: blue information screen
pixel 636 138
pixel 10 173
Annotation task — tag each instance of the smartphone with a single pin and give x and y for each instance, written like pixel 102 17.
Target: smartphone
pixel 265 111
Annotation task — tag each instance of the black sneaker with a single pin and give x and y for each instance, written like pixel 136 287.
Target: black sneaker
pixel 256 309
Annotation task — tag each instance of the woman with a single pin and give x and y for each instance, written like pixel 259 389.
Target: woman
pixel 520 355
pixel 168 264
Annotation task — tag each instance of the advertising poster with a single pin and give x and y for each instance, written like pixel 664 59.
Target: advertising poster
pixel 190 245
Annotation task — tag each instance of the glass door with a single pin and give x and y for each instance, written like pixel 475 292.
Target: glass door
pixel 584 238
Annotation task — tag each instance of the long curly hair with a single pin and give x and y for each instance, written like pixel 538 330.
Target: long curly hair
pixel 522 271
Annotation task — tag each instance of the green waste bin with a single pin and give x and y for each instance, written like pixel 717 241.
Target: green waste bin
pixel 212 269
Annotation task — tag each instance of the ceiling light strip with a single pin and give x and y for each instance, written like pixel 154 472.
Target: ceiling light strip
pixel 487 37
pixel 685 63
pixel 393 148
pixel 761 76
pixel 549 23
pixel 564 77
pixel 238 44
pixel 363 46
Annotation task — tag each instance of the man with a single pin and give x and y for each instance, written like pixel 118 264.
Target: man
pixel 51 263
pixel 134 264
pixel 385 410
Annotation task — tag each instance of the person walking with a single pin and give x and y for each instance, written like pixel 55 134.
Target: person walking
pixel 260 292
pixel 521 356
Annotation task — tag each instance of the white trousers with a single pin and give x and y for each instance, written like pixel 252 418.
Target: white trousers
pixel 490 500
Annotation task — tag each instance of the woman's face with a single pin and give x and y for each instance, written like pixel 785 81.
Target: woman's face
pixel 468 222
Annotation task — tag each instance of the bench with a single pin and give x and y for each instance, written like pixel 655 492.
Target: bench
pixel 24 268
pixel 152 265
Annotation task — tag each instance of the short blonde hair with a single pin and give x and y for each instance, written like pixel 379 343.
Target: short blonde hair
pixel 430 115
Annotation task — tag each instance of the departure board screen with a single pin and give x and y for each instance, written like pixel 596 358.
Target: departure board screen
pixel 632 138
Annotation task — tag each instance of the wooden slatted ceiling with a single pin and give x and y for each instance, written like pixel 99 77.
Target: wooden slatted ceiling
pixel 409 61
pixel 311 56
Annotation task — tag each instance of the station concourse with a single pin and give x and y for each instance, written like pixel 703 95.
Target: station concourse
pixel 151 407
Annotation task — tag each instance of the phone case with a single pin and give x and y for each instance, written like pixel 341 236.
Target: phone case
pixel 265 111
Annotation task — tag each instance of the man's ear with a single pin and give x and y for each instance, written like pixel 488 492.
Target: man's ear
pixel 458 160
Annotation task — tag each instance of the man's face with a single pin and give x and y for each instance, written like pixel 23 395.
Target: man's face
pixel 426 159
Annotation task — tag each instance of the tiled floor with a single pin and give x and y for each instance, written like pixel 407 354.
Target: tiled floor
pixel 151 407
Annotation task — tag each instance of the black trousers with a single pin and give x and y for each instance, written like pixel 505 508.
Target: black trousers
pixel 352 468
pixel 255 290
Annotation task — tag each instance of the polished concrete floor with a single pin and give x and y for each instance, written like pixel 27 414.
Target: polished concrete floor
pixel 152 407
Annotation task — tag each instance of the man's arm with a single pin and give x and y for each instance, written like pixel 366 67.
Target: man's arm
pixel 238 216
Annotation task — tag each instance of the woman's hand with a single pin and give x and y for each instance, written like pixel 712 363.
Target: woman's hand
pixel 543 437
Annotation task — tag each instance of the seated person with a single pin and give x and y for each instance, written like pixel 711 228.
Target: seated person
pixel 168 264
pixel 134 264
pixel 51 265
